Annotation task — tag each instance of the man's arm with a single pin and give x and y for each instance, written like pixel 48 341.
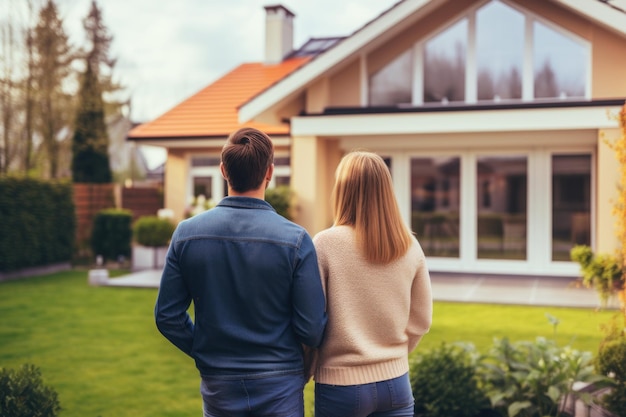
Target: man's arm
pixel 309 305
pixel 170 311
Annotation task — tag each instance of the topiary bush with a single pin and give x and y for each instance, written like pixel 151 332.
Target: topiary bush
pixel 280 199
pixel 445 383
pixel 23 394
pixel 153 231
pixel 111 235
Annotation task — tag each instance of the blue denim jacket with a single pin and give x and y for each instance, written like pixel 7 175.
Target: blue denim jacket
pixel 254 281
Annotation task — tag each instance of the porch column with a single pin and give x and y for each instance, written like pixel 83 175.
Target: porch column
pixel 607 192
pixel 176 181
pixel 313 164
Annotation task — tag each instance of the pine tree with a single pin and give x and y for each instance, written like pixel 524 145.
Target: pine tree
pixel 90 160
pixel 52 68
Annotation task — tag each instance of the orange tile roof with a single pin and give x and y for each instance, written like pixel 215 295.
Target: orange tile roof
pixel 213 110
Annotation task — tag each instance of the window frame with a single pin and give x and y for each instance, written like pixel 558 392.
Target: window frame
pixel 471 70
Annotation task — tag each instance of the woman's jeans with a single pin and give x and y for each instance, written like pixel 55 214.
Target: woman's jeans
pixel 250 396
pixel 390 398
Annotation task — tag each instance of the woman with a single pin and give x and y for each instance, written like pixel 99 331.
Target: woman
pixel 378 293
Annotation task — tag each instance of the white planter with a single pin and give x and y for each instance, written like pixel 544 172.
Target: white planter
pixel 145 257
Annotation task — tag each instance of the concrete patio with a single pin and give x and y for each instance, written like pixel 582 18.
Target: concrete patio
pixel 466 288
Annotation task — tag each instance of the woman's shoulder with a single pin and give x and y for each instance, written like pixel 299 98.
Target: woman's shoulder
pixel 333 234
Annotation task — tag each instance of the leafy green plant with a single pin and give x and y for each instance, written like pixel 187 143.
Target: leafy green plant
pixel 611 362
pixel 112 234
pixel 534 379
pixel 153 231
pixel 445 382
pixel 23 394
pixel 600 271
pixel 280 199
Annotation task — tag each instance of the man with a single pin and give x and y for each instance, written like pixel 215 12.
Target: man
pixel 254 281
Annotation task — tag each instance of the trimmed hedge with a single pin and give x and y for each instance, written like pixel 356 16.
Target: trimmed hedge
pixel 153 231
pixel 112 233
pixel 37 223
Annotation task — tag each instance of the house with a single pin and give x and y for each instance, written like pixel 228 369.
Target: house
pixel 492 115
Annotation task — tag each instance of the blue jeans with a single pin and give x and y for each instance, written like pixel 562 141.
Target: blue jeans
pixel 253 396
pixel 390 398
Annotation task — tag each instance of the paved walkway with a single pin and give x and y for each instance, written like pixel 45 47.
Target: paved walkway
pixel 468 288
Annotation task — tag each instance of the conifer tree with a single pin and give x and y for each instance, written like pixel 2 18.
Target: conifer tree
pixel 90 158
pixel 52 67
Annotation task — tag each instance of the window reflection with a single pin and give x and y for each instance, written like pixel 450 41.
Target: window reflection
pixel 393 84
pixel 560 62
pixel 203 186
pixel 499 52
pixel 560 69
pixel 444 65
pixel 501 222
pixel 435 196
pixel 571 204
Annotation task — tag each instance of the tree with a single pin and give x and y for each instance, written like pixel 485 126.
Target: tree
pixel 8 90
pixel 52 68
pixel 29 94
pixel 90 160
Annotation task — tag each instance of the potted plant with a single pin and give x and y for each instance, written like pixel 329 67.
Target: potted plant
pixel 152 235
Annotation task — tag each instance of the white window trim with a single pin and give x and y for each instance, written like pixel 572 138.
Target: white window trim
pixel 539 202
pixel 471 70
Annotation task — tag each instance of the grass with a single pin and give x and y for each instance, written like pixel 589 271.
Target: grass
pixel 99 349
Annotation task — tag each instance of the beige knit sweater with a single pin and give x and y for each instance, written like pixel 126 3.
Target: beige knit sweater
pixel 377 314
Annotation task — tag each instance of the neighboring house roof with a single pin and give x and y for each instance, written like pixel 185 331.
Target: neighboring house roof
pixel 212 112
pixel 607 13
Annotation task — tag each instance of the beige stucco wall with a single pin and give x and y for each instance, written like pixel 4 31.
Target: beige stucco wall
pixel 316 160
pixel 607 192
pixel 176 169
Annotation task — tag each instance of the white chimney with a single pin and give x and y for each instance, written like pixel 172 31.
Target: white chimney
pixel 278 33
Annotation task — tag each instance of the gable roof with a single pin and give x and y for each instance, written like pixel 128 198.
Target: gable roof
pixel 606 13
pixel 212 112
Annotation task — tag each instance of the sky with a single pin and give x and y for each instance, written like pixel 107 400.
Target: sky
pixel 169 50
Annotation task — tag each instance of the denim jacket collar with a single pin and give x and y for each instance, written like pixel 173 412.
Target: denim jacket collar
pixel 245 202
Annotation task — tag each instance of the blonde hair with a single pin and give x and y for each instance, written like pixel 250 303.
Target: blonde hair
pixel 363 197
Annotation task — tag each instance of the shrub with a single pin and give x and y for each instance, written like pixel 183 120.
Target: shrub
pixel 38 222
pixel 23 394
pixel 445 383
pixel 280 199
pixel 112 234
pixel 611 361
pixel 153 231
pixel 600 271
pixel 533 379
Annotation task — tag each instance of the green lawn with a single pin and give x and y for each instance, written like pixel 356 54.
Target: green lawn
pixel 98 346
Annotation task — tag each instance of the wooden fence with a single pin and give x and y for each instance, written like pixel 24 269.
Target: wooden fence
pixel 142 201
pixel 88 200
pixel 91 198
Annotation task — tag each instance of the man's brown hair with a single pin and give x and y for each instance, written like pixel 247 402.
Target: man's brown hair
pixel 246 156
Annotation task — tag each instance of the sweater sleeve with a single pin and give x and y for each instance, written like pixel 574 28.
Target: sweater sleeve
pixel 420 318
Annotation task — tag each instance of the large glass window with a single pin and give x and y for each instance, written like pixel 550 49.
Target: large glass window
pixel 502 207
pixel 499 52
pixel 435 196
pixel 444 65
pixel 560 64
pixel 571 204
pixel 482 57
pixel 393 83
